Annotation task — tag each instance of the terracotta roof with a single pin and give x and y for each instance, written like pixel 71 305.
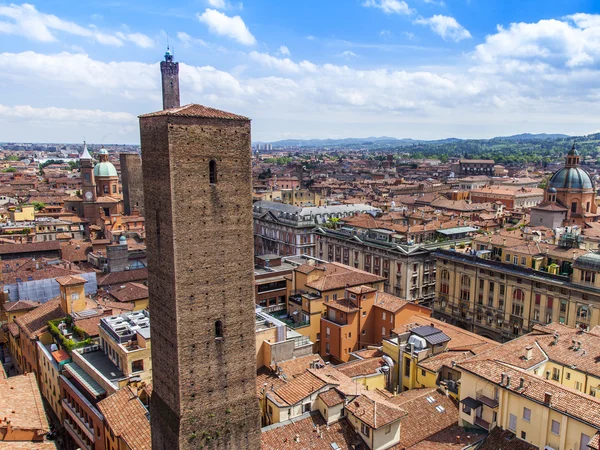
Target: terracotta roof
pixel 450 438
pixel 7 249
pixel 362 367
pixel 296 366
pixel 338 276
pixel 346 305
pixel 23 445
pixel 436 362
pixel 595 442
pixel 283 436
pixel 36 321
pixel 361 290
pixel 130 292
pixel 373 413
pixel 332 397
pixel 195 110
pixel 21 305
pixel 75 251
pixel 22 390
pixel 127 418
pixel 368 353
pixel 13 328
pixel 71 280
pixel 389 302
pixel 299 388
pixel 429 412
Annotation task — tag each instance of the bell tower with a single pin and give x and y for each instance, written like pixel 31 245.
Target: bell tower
pixel 170 81
pixel 88 183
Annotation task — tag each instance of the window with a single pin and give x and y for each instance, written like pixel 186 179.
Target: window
pixel 537 299
pixel 585 440
pixel 523 435
pixel 212 172
pixel 574 207
pixel 423 373
pixel 383 315
pixel 407 367
pixel 388 429
pixel 568 374
pixel 327 331
pixel 523 261
pixel 349 335
pixel 137 366
pixel 365 429
pixel 219 329
pixel 512 423
pixel 75 296
pixel 527 414
pixel 306 407
pixel 327 347
pixel 555 427
pixel 382 331
pixel 114 188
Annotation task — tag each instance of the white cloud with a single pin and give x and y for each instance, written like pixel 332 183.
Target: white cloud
pixel 223 25
pixel 189 41
pixel 389 6
pixel 435 2
pixel 385 33
pixel 219 4
pixel 445 26
pixel 283 50
pixel 537 77
pixel 53 114
pixel 139 39
pixel 347 54
pixel 27 21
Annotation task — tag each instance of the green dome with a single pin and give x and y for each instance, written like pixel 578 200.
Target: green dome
pixel 571 178
pixel 105 169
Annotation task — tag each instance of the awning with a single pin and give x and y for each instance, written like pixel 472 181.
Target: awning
pixel 471 402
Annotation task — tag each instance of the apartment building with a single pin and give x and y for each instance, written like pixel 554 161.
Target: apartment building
pixel 408 268
pixel 543 387
pixel 502 301
pixel 315 283
pixel 363 317
pixel 289 230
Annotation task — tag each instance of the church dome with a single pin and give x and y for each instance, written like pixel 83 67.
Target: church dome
pixel 105 169
pixel 571 178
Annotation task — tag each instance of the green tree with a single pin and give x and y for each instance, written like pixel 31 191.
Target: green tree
pixel 10 169
pixel 39 206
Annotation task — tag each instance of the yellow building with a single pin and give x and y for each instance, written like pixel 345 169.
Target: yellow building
pixel 425 351
pixel 502 301
pixel 536 410
pixel 72 293
pixel 300 197
pixel 25 213
pixel 51 362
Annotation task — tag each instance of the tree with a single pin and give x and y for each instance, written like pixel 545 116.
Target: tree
pixel 39 206
pixel 10 169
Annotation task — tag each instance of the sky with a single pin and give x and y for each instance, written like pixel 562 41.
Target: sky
pixel 422 69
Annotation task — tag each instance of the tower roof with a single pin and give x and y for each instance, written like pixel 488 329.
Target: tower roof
pixel 105 169
pixel 195 110
pixel 85 154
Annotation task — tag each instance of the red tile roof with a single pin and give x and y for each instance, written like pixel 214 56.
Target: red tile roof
pixel 127 418
pixel 21 403
pixel 195 110
pixel 374 413
pixel 35 321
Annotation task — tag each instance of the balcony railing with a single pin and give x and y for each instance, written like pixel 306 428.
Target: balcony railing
pixel 486 400
pixel 482 423
pixel 76 435
pixel 89 431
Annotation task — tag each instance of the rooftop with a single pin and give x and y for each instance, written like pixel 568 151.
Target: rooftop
pixel 195 110
pixel 21 403
pixel 123 328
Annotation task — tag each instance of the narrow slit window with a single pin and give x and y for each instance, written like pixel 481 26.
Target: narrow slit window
pixel 212 172
pixel 219 329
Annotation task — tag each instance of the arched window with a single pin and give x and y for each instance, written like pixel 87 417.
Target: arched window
pixel 212 172
pixel 518 295
pixel 582 312
pixel 445 275
pixel 465 288
pixel 219 329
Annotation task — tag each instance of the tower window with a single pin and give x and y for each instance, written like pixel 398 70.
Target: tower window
pixel 212 172
pixel 219 329
pixel 574 207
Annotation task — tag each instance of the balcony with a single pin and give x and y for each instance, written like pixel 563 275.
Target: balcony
pixel 482 423
pixel 78 420
pixel 76 435
pixel 486 400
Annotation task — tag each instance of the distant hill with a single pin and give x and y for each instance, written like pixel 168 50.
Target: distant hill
pixel 383 141
pixel 531 137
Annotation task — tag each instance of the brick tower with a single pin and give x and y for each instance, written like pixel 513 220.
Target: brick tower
pixel 198 205
pixel 133 185
pixel 170 81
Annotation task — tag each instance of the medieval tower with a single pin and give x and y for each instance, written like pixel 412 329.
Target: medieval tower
pixel 88 183
pixel 198 208
pixel 133 185
pixel 170 81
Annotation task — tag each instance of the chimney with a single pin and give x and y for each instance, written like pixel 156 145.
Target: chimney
pixel 502 380
pixel 548 398
pixel 521 383
pixel 528 352
pixel 458 439
pixel 507 381
pixel 555 338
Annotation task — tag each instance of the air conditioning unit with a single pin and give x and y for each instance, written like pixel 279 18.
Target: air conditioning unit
pixel 95 347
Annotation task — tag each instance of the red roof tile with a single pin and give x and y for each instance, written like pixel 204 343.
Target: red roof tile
pixel 195 110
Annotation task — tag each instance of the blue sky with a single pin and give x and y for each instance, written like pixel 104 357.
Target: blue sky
pixel 424 69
